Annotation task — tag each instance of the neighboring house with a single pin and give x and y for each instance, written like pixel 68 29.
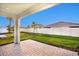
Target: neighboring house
pixel 37 26
pixel 63 24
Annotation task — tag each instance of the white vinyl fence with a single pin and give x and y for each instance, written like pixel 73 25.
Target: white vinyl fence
pixel 3 30
pixel 56 31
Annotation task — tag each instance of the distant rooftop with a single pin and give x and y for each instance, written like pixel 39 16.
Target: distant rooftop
pixel 63 24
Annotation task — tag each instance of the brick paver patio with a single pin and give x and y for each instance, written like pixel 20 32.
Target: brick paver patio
pixel 33 48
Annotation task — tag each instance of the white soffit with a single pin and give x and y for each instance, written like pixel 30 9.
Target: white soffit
pixel 22 9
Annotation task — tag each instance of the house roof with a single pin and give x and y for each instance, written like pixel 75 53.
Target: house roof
pixel 63 24
pixel 39 25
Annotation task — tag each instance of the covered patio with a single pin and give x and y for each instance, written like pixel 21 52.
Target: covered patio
pixel 18 11
pixel 28 47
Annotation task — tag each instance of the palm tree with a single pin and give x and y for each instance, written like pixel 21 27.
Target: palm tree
pixel 9 25
pixel 33 26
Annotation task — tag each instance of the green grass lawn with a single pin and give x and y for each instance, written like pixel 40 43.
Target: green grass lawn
pixel 7 40
pixel 67 42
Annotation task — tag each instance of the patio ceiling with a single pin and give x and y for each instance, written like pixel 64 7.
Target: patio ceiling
pixel 18 10
pixel 22 9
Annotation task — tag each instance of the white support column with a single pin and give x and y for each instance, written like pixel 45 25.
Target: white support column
pixel 16 31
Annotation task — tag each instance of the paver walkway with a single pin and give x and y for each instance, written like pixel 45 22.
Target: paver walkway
pixel 33 48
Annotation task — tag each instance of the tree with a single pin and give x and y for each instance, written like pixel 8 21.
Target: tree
pixel 28 26
pixel 9 25
pixel 0 26
pixel 33 26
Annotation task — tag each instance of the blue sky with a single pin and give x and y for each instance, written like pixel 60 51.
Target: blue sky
pixel 68 12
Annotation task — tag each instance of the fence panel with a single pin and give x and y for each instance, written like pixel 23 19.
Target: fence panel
pixel 56 31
